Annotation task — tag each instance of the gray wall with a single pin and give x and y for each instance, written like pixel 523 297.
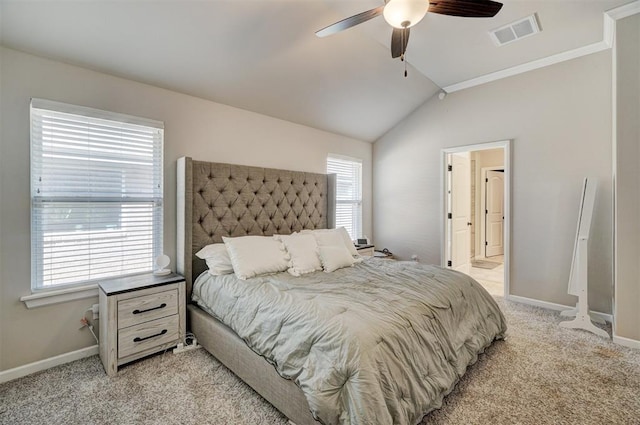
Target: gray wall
pixel 559 119
pixel 193 127
pixel 627 321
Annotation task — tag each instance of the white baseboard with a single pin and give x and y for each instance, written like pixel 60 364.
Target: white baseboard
pixel 28 369
pixel 557 307
pixel 627 342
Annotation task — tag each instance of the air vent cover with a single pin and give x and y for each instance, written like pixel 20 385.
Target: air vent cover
pixel 515 31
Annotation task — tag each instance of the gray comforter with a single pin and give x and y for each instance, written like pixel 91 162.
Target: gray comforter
pixel 381 342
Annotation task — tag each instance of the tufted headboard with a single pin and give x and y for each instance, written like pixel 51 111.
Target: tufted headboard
pixel 216 200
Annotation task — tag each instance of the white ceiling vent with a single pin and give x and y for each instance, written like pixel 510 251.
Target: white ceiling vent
pixel 515 31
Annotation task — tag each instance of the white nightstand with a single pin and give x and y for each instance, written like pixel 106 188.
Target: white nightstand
pixel 140 315
pixel 365 250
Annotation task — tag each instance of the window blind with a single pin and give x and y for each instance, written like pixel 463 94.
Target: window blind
pixel 348 193
pixel 96 194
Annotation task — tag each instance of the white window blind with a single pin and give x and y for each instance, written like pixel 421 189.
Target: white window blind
pixel 348 193
pixel 96 194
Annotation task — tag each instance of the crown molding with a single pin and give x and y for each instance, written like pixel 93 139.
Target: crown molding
pixel 624 11
pixel 608 33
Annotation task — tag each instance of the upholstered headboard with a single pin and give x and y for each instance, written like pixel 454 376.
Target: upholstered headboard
pixel 216 200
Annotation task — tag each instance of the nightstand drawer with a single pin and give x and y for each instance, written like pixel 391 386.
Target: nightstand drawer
pixel 147 335
pixel 148 307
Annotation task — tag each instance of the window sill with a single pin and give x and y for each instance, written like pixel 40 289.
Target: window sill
pixel 58 296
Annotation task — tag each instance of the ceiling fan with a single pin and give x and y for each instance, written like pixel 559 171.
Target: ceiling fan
pixel 403 14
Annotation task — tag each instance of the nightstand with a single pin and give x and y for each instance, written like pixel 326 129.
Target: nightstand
pixel 365 250
pixel 140 315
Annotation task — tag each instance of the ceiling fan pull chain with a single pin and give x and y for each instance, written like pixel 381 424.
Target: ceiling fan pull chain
pixel 405 41
pixel 405 65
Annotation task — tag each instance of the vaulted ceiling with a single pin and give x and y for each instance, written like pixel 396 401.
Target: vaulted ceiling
pixel 263 55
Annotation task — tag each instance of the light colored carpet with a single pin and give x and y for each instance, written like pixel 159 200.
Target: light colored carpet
pixel 541 374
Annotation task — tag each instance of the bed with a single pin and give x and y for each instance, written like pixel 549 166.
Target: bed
pixel 302 373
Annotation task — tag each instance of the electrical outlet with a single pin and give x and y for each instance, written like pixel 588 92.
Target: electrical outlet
pixel 181 348
pixel 96 311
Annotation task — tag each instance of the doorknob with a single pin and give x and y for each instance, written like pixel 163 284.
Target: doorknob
pixel 468 224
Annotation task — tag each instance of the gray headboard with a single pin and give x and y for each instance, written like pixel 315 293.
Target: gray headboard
pixel 216 200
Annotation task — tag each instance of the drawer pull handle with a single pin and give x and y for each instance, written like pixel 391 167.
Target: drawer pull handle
pixel 138 339
pixel 136 311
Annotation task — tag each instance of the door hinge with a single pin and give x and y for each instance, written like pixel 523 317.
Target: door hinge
pixel 486 243
pixel 449 263
pixel 486 180
pixel 486 211
pixel 449 216
pixel 449 167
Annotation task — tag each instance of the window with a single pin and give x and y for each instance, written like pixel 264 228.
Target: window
pixel 96 194
pixel 348 193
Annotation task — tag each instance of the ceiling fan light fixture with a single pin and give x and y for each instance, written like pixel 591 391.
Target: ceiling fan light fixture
pixel 405 13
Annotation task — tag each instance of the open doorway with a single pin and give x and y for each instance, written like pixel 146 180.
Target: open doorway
pixel 476 220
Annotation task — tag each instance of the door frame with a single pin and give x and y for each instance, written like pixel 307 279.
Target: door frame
pixel 483 206
pixel 444 201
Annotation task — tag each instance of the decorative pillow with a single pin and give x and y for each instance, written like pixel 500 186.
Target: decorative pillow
pixel 329 237
pixel 347 241
pixel 217 259
pixel 303 250
pixel 344 235
pixel 255 255
pixel 335 257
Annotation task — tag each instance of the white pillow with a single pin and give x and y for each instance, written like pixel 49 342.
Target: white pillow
pixel 217 259
pixel 335 257
pixel 329 238
pixel 254 255
pixel 346 239
pixel 303 250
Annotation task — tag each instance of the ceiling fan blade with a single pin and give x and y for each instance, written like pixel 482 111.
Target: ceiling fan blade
pixel 465 8
pixel 399 42
pixel 349 22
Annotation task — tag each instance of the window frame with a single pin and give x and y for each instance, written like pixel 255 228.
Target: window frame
pixel 356 201
pixel 84 287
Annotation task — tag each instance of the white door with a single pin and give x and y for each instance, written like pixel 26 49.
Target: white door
pixel 494 213
pixel 460 211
